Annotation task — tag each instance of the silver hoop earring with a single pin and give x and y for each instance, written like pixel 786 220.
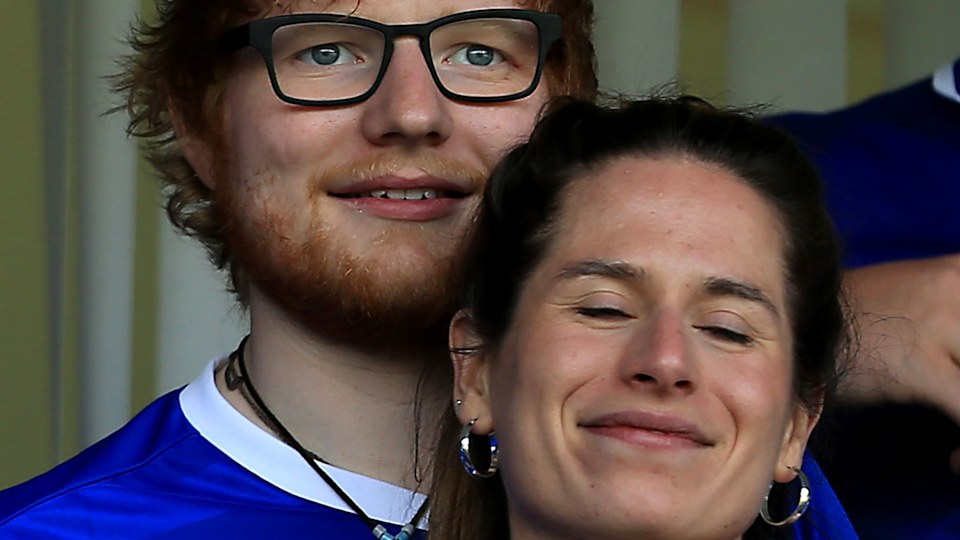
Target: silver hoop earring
pixel 467 460
pixel 802 504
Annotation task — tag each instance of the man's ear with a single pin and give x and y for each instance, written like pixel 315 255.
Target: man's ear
pixel 795 438
pixel 471 371
pixel 197 151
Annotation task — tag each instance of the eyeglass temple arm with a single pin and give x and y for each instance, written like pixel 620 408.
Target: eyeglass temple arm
pixel 235 39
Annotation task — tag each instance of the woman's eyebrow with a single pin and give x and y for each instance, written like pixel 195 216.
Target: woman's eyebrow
pixel 722 286
pixel 602 268
pixel 715 286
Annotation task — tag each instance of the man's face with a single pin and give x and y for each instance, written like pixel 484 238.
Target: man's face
pixel 350 217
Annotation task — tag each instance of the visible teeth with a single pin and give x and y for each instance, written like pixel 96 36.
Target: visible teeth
pixel 404 194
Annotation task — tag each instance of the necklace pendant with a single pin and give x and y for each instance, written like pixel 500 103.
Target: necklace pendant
pixel 381 533
pixel 230 375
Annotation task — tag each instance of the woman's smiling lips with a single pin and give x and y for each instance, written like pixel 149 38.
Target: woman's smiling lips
pixel 650 430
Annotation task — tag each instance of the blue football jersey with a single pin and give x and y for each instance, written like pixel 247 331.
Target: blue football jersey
pixel 190 466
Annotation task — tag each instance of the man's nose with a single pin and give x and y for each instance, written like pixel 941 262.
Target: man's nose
pixel 407 108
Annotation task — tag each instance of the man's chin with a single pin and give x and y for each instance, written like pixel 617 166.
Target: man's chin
pixel 382 324
pixel 373 307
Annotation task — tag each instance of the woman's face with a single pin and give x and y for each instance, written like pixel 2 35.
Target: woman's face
pixel 644 387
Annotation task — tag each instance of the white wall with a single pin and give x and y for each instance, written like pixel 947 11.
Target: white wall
pixel 637 43
pixel 107 170
pixel 197 319
pixel 788 54
pixel 921 35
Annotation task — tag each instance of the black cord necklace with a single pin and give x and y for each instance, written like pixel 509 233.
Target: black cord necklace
pixel 239 378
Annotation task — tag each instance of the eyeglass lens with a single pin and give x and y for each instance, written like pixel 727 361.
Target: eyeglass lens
pixel 486 57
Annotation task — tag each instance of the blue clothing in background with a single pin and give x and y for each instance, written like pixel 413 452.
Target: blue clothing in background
pixel 892 170
pixel 826 518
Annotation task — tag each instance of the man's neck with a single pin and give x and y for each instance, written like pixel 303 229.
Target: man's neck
pixel 353 408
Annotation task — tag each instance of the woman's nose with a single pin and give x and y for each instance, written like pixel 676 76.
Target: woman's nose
pixel 660 357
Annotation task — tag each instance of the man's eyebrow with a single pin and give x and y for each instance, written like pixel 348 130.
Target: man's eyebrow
pixel 602 268
pixel 730 287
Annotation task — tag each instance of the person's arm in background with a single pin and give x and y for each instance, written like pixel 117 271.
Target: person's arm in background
pixel 908 318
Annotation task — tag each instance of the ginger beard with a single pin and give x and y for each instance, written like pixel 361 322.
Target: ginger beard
pixel 357 295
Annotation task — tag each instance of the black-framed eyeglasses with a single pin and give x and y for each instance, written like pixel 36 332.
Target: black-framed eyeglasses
pixel 320 59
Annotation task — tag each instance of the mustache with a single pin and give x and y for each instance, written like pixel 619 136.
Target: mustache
pixel 440 166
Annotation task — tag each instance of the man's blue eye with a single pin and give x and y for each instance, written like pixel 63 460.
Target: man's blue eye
pixel 479 55
pixel 325 55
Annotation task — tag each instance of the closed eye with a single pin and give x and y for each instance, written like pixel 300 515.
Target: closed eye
pixel 726 334
pixel 603 313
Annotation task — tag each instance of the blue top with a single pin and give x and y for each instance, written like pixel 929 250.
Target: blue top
pixel 892 169
pixel 191 467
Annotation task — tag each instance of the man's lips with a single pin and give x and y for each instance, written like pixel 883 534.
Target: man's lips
pixel 418 194
pixel 421 198
pixel 403 188
pixel 647 429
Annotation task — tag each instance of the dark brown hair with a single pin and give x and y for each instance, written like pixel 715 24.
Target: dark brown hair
pixel 176 65
pixel 517 225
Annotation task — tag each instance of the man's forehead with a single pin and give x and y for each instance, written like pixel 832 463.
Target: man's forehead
pixel 391 11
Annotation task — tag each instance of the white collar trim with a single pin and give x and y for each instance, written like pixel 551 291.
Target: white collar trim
pixel 275 462
pixel 945 83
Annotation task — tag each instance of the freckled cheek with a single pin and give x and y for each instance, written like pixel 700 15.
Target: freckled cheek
pixel 521 380
pixel 756 399
pixel 268 135
pixel 543 379
pixel 282 146
pixel 498 133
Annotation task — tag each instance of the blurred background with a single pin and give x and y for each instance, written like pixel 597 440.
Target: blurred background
pixel 102 307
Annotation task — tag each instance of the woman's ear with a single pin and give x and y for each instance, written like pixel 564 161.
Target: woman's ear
pixel 471 369
pixel 795 438
pixel 197 151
